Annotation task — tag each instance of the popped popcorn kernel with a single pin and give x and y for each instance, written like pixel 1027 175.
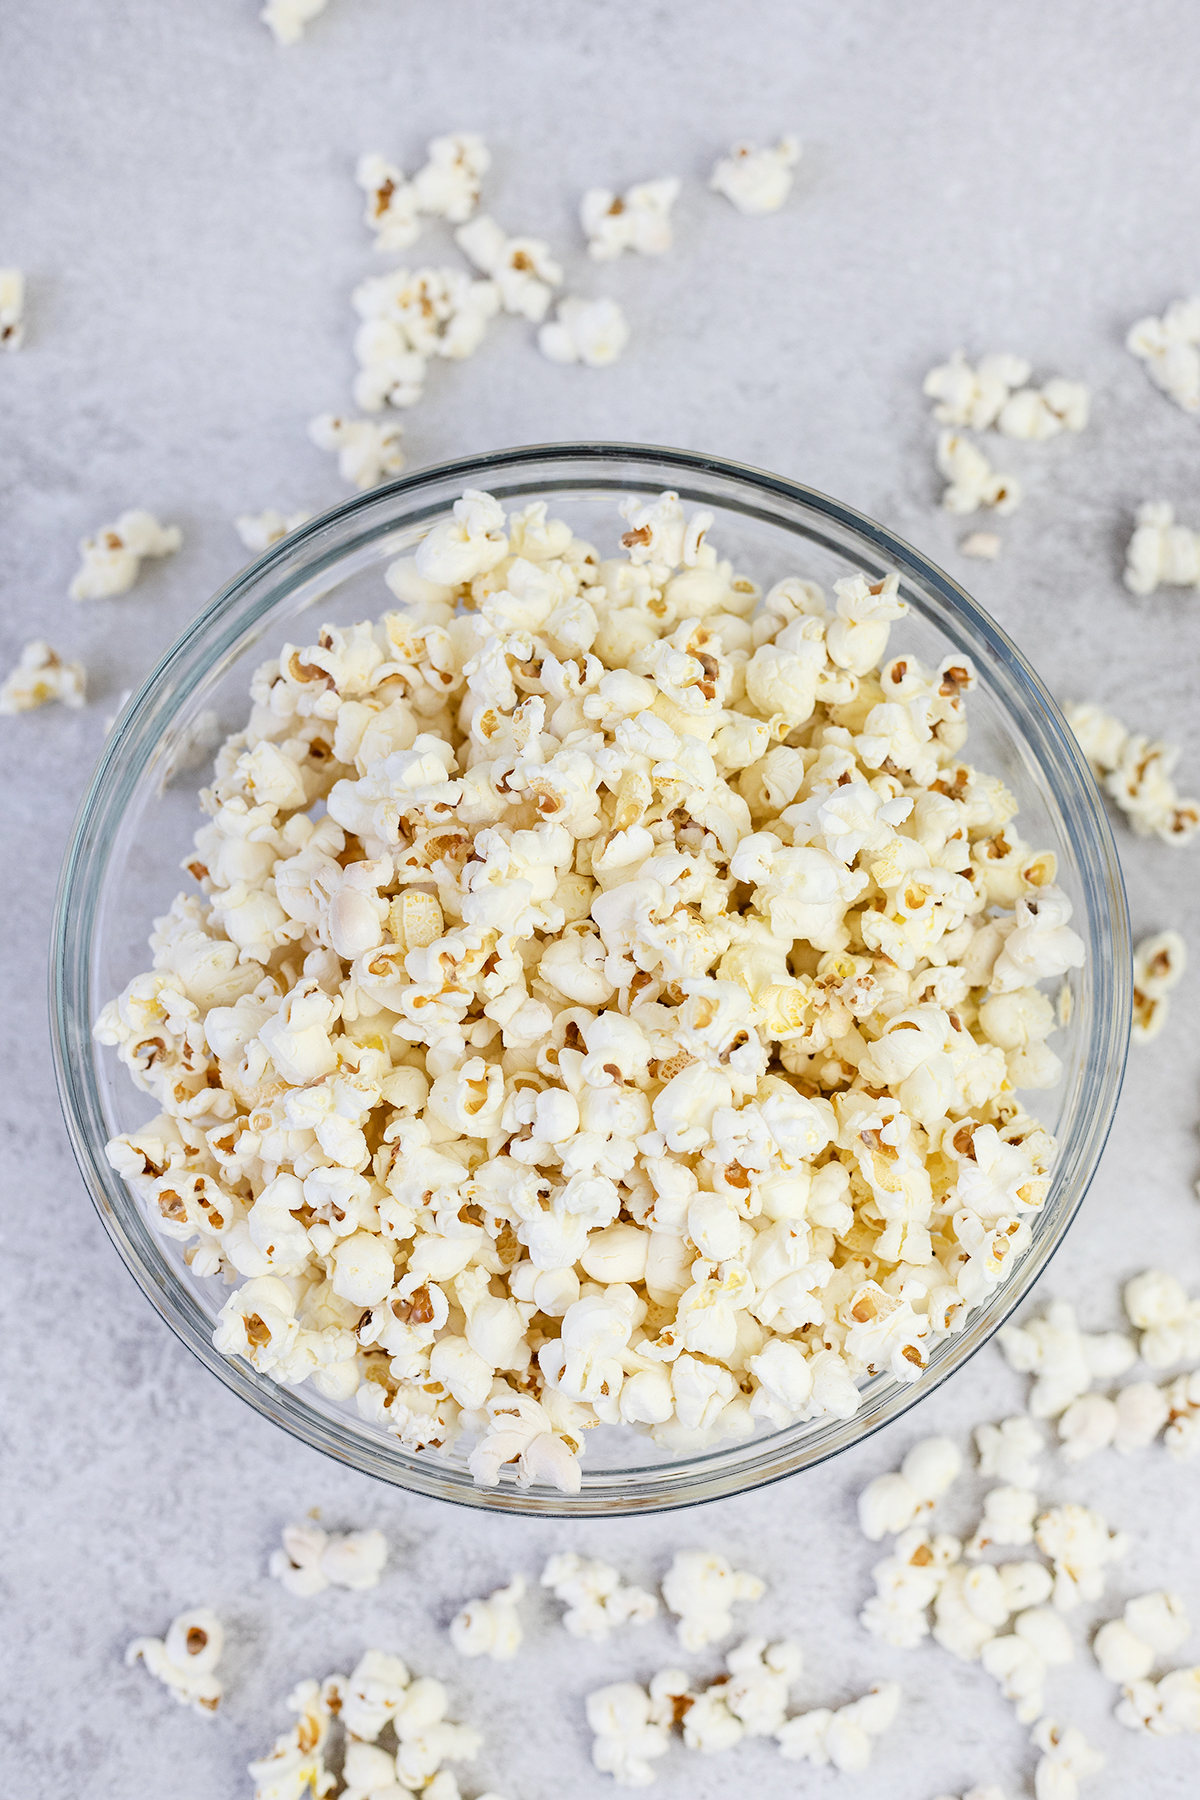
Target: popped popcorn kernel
pixel 757 181
pixel 312 1560
pixel 491 1627
pixel 592 332
pixel 1136 773
pixel 523 271
pixel 185 1660
pixel 984 545
pixel 597 1600
pixel 12 309
pixel 638 220
pixel 40 677
pixel 844 1737
pixel 1170 349
pixel 367 451
pixel 972 481
pixel 1067 1761
pixel 1161 552
pixel 700 1587
pixel 258 531
pixel 286 19
pixel 1158 966
pixel 1169 1322
pixel 113 558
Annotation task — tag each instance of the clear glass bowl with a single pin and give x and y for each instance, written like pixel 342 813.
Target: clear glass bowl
pixel 136 822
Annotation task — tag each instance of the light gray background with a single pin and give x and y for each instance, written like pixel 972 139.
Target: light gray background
pixel 179 191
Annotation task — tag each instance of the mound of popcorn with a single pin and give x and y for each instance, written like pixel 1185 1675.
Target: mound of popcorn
pixel 605 1003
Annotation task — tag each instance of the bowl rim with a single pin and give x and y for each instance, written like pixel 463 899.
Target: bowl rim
pixel 71 956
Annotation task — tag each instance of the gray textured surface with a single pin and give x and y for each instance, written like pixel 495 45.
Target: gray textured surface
pixel 178 190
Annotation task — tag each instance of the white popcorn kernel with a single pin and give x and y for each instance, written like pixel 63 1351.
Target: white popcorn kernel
pixel 1088 1424
pixel 1035 414
pixel 12 309
pixel 597 1601
pixel 1158 966
pixel 1008 1514
pixel 286 19
pixel 312 1560
pixel 447 186
pixel 890 1503
pixel 1010 1451
pixel 985 545
pixel 1170 349
pixel 630 1730
pixel 637 220
pixel 1122 1655
pixel 1064 1360
pixel 363 1269
pixel 757 181
pixel 1142 1411
pixel 491 1627
pixel 258 531
pixel 1136 774
pixel 40 677
pixel 700 1588
pixel 1080 1545
pixel 185 1659
pixel 1165 1707
pixel 974 397
pixel 522 268
pixel 593 332
pixel 112 559
pixel 469 543
pixel 844 1738
pixel 1160 551
pixel 1067 1760
pixel 1160 1619
pixel 392 213
pixel 367 450
pixel 972 481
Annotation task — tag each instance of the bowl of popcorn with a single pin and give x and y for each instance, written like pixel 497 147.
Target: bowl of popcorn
pixel 608 1038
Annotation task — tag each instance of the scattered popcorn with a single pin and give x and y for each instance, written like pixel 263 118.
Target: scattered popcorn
pixel 1080 1545
pixel 1170 349
pixel 258 531
pixel 367 451
pixel 700 1588
pixel 906 1584
pixel 409 316
pixel 1021 1660
pixel 522 268
pixel 447 186
pixel 185 1659
pixel 593 332
pixel 392 214
pixel 1041 413
pixel 1153 1625
pixel 112 559
pixel 287 18
pixel 1064 1360
pixel 1161 551
pixel 597 1601
pixel 974 397
pixel 631 1727
pixel 1163 1708
pixel 844 1738
pixel 513 1068
pixel 891 1502
pixel 40 677
pixel 1158 966
pixel 757 181
pixel 986 546
pixel 1088 1424
pixel 972 481
pixel 1008 1514
pixel 491 1627
pixel 638 220
pixel 1067 1760
pixel 1136 773
pixel 1010 1450
pixel 12 309
pixel 312 1560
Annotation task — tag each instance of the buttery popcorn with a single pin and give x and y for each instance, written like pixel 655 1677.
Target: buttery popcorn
pixel 12 309
pixel 367 450
pixel 1158 966
pixel 757 181
pixel 491 1627
pixel 112 559
pixel 311 1559
pixel 40 677
pixel 1161 551
pixel 409 316
pixel 633 1037
pixel 286 19
pixel 639 219
pixel 185 1659
pixel 994 393
pixel 593 332
pixel 1170 349
pixel 1135 772
pixel 446 187
pixel 596 1598
pixel 972 480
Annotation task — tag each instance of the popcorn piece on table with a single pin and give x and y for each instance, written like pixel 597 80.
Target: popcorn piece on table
pixel 906 1584
pixel 844 1737
pixel 1153 1625
pixel 1158 966
pixel 972 480
pixel 631 1727
pixel 1010 1450
pixel 312 1559
pixel 258 531
pixel 1182 1436
pixel 974 397
pixel 392 214
pixel 971 1606
pixel 185 1659
pixel 113 558
pixel 1008 1514
pixel 1136 773
pixel 286 19
pixel 1168 1321
pixel 757 181
pixel 1064 1360
pixel 1170 349
pixel 12 309
pixel 409 316
pixel 1089 1424
pixel 1067 1760
pixel 982 544
pixel 593 332
pixel 447 185
pixel 1165 1707
pixel 637 220
pixel 296 1761
pixel 1079 1544
pixel 596 1598
pixel 700 1588
pixel 40 677
pixel 891 1502
pixel 1021 1659
pixel 522 268
pixel 1041 413
pixel 1160 551
pixel 491 1627
pixel 368 451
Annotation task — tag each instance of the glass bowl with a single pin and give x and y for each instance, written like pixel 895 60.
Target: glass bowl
pixel 136 822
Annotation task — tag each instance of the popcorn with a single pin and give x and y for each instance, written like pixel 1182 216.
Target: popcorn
pixel 185 1659
pixel 593 332
pixel 491 1627
pixel 598 1602
pixel 1020 1660
pixel 12 309
pixel 757 181
pixel 447 187
pixel 550 1045
pixel 845 1737
pixel 258 531
pixel 1080 1545
pixel 1161 551
pixel 1170 349
pixel 631 1728
pixel 972 481
pixel 1163 1708
pixel 1010 1450
pixel 524 272
pixel 1007 1519
pixel 906 1585
pixel 974 397
pixel 891 1502
pixel 367 451
pixel 1040 413
pixel 1182 1396
pixel 1064 1359
pixel 1067 1760
pixel 113 558
pixel 986 546
pixel 1153 1625
pixel 1136 773
pixel 1158 966
pixel 637 220
pixel 40 677
pixel 977 1793
pixel 286 19
pixel 700 1588
pixel 312 1560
